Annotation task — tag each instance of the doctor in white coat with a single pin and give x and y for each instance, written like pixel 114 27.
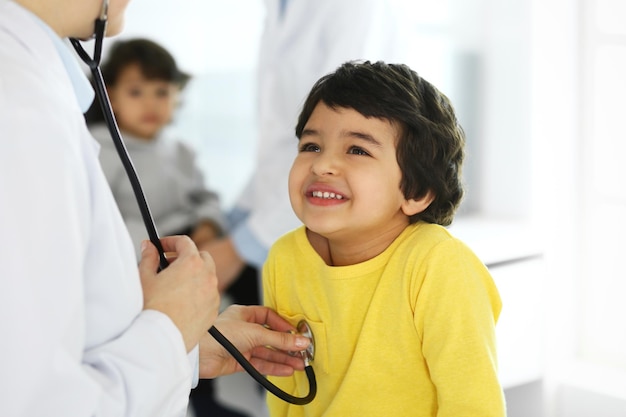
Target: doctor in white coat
pixel 301 42
pixel 84 333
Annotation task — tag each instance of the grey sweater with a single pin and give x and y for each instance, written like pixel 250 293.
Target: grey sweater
pixel 172 182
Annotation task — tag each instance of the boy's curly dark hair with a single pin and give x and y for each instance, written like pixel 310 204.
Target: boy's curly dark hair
pixel 430 149
pixel 154 61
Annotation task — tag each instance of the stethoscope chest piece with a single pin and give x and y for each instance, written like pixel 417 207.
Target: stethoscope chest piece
pixel 304 329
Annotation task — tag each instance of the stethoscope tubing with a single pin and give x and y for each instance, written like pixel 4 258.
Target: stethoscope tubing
pixel 105 104
pixel 258 377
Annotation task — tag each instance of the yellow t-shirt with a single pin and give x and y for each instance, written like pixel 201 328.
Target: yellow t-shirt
pixel 410 332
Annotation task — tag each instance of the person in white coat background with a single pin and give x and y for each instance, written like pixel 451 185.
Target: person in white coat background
pixel 301 41
pixel 84 331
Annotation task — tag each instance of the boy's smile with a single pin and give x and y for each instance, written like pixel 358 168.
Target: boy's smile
pixel 323 195
pixel 345 183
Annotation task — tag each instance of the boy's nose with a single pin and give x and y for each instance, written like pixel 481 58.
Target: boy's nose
pixel 325 164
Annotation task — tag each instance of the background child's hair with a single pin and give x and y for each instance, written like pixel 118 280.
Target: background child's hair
pixel 430 149
pixel 154 61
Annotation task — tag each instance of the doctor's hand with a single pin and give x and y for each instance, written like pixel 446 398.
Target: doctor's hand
pixel 186 290
pixel 260 334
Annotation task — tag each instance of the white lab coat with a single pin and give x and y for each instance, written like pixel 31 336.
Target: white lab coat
pixel 74 339
pixel 310 40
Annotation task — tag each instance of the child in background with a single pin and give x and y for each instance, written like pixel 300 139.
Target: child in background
pixel 144 82
pixel 402 313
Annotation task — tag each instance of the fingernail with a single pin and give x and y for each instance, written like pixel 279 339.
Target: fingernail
pixel 144 245
pixel 302 342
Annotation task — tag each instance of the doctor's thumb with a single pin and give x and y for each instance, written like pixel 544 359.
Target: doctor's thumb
pixel 149 263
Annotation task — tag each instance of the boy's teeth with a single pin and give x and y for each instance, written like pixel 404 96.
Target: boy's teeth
pixel 326 194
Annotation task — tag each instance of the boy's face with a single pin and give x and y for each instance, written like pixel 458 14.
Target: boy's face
pixel 345 181
pixel 142 106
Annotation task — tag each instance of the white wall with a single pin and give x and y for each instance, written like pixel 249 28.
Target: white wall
pixel 579 155
pixel 203 35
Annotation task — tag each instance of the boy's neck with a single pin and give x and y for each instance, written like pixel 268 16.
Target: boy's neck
pixel 141 138
pixel 344 253
pixel 321 245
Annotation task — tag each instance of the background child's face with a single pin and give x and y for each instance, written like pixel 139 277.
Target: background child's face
pixel 345 180
pixel 142 106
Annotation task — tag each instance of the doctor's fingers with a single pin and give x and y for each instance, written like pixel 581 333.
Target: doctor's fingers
pixel 173 247
pixel 253 326
pixel 272 362
pixel 187 292
pixel 189 256
pixel 272 320
pixel 194 270
pixel 182 250
pixel 181 245
pixel 187 274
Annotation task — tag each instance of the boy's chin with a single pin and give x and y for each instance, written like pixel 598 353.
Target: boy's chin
pixel 143 134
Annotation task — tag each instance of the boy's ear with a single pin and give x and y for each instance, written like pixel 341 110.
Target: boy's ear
pixel 414 206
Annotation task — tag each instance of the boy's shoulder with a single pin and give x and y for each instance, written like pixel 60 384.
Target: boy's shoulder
pixel 182 147
pixel 291 236
pixel 290 241
pixel 428 233
pixel 425 237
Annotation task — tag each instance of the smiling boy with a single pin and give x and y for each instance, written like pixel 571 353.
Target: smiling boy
pixel 403 314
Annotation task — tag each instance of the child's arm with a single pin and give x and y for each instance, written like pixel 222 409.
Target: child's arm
pixel 456 314
pixel 205 231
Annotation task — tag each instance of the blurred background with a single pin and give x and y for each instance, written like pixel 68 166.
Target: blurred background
pixel 539 86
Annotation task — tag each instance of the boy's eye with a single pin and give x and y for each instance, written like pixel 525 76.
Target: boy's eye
pixel 134 92
pixel 356 150
pixel 163 92
pixel 309 147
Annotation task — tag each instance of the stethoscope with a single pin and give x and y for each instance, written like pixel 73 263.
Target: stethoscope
pixel 302 328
